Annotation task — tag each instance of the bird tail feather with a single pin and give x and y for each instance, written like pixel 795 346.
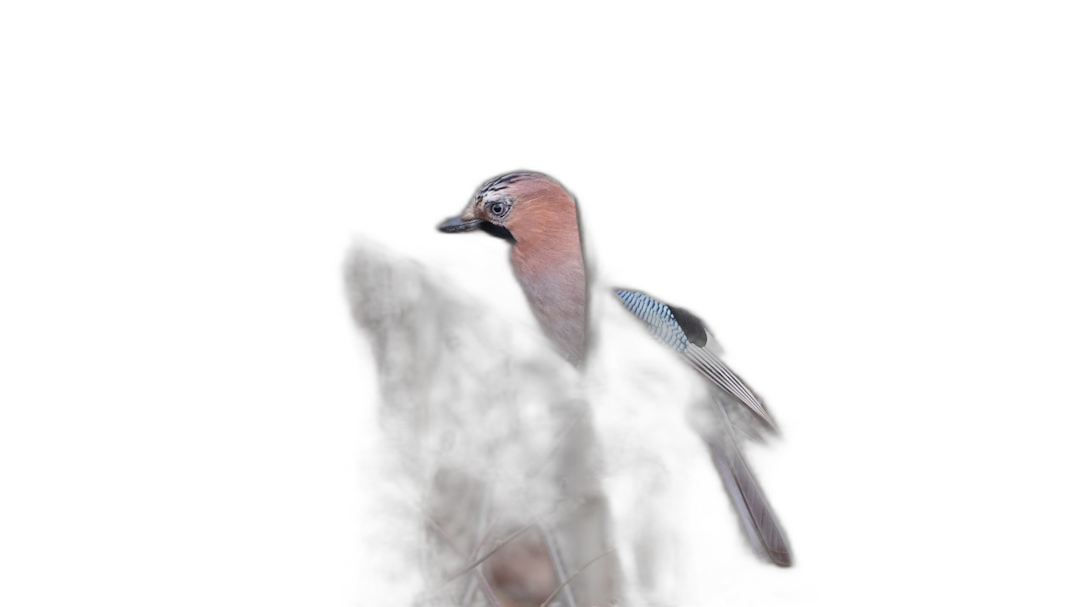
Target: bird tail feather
pixel 759 525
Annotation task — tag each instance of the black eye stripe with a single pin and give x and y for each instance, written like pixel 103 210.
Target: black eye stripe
pixel 497 231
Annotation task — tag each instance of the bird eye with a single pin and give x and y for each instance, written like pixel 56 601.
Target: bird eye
pixel 498 209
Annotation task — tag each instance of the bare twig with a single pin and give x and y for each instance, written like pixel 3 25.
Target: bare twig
pixel 431 540
pixel 545 531
pixel 449 541
pixel 497 453
pixel 476 572
pixel 576 573
pixel 498 544
pixel 569 512
pixel 526 479
pixel 466 506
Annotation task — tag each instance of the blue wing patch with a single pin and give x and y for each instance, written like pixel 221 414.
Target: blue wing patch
pixel 658 317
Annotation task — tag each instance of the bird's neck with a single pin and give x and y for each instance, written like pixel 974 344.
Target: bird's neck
pixel 550 267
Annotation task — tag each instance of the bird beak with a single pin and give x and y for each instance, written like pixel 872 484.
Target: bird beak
pixel 462 223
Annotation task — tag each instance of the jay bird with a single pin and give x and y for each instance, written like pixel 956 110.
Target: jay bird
pixel 538 217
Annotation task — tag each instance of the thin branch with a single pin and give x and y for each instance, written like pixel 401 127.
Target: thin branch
pixel 576 573
pixel 496 453
pixel 569 512
pixel 431 541
pixel 466 502
pixel 526 479
pixel 485 498
pixel 544 530
pixel 482 521
pixel 478 575
pixel 498 545
pixel 445 536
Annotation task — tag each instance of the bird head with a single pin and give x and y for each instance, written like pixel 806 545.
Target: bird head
pixel 517 207
pixel 538 217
